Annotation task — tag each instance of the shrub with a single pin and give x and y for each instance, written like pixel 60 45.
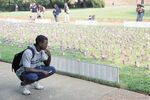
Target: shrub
pixel 59 3
pixel 83 4
pixel 45 3
pixel 98 3
pixel 23 7
pixel 7 7
pixel 89 4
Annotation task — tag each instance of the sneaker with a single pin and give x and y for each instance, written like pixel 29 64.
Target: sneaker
pixel 25 90
pixel 38 86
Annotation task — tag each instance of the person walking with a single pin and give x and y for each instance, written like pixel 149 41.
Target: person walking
pixel 16 7
pixel 34 10
pixel 56 12
pixel 67 11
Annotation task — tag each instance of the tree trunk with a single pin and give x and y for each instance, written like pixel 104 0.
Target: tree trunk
pixel 84 3
pixel 50 3
pixel 142 1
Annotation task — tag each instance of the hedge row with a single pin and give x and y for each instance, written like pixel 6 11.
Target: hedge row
pixel 25 6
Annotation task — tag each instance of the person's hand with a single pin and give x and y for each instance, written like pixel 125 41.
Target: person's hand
pixel 47 52
pixel 45 72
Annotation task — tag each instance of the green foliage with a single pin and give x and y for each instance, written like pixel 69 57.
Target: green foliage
pixel 131 78
pixel 88 4
pixel 44 3
pixel 135 79
pixel 7 52
pixel 23 6
pixel 84 4
pixel 7 5
pixel 98 3
pixel 60 3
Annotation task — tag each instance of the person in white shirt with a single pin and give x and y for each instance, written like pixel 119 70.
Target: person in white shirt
pixel 32 70
pixel 67 11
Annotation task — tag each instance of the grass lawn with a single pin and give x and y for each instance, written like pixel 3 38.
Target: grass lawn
pixel 102 14
pixel 132 78
pixel 7 52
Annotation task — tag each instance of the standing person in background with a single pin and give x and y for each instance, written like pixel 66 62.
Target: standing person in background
pixel 16 7
pixel 30 10
pixel 67 11
pixel 140 12
pixel 34 10
pixel 56 12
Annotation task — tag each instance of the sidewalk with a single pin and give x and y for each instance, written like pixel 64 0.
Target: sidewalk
pixel 49 21
pixel 59 87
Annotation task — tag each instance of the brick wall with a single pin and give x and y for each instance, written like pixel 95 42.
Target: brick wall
pixel 147 2
pixel 125 2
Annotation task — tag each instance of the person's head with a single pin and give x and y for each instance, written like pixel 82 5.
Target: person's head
pixel 140 5
pixel 41 42
pixel 55 5
pixel 65 4
pixel 34 4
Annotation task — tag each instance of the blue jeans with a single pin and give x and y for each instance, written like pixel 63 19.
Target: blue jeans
pixel 31 77
pixel 140 17
pixel 56 18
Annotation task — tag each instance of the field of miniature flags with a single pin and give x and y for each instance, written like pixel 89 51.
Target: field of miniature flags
pixel 113 43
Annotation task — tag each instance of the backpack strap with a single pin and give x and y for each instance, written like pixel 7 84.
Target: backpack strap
pixel 33 51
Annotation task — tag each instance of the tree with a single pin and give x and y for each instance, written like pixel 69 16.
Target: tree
pixel 43 2
pixel 72 1
pixel 50 3
pixel 98 3
pixel 142 1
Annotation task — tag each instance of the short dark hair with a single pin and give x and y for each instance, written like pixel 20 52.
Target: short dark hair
pixel 40 39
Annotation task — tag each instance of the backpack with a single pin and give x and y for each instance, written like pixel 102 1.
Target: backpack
pixel 17 58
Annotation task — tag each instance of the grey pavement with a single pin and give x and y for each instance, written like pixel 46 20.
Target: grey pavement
pixel 59 87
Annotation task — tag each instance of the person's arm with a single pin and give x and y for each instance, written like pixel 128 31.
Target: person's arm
pixel 142 9
pixel 48 61
pixel 26 58
pixel 137 9
pixel 28 69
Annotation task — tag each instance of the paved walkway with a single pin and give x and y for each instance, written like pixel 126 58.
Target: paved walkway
pixel 77 22
pixel 59 87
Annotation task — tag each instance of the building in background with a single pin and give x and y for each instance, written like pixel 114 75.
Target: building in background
pixel 125 2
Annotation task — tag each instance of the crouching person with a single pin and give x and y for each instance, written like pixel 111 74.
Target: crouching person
pixel 32 70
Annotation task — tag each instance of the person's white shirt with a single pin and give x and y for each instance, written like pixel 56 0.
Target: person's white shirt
pixel 28 61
